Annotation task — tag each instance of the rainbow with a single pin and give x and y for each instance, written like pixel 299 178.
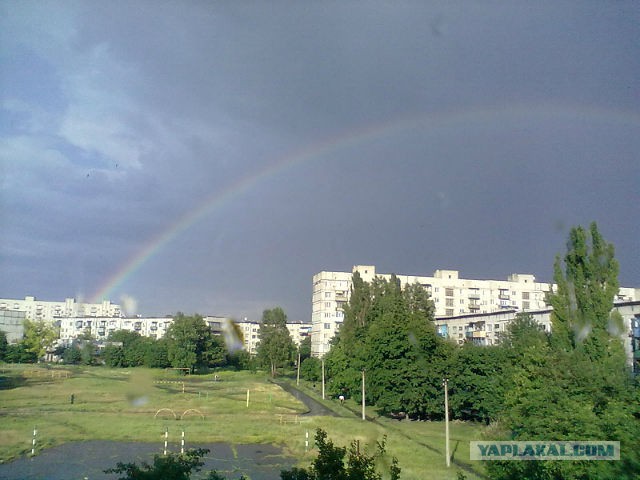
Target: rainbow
pixel 426 122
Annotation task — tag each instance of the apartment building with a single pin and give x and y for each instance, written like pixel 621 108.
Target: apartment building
pixel 452 296
pixel 250 329
pixel 101 327
pixel 35 309
pixel 12 324
pixel 486 328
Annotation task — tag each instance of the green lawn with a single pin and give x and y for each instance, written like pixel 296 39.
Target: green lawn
pixel 139 404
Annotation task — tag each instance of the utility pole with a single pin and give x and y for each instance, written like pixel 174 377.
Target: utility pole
pixel 445 382
pixel 363 402
pixel 323 378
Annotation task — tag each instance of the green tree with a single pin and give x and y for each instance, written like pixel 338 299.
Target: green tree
pixel 389 333
pixel 39 337
pixel 478 382
pixel 586 288
pixel 18 353
pixel 3 346
pixel 574 385
pixel 311 369
pixel 166 467
pixel 305 348
pixel 330 463
pixel 276 347
pixel 189 342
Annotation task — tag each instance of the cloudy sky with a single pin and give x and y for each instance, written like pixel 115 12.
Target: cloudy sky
pixel 210 157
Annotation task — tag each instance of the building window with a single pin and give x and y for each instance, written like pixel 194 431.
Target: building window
pixel 525 295
pixel 496 327
pixel 525 305
pixel 327 304
pixel 327 294
pixel 449 292
pixel 327 326
pixel 449 312
pixel 449 302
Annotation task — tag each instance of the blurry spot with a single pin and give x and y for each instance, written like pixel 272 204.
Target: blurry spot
pixel 232 335
pixel 129 305
pixel 140 386
pixel 559 226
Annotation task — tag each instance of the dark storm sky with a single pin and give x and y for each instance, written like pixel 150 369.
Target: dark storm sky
pixel 408 135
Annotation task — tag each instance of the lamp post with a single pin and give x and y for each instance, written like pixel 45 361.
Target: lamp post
pixel 363 393
pixel 323 378
pixel 298 376
pixel 445 382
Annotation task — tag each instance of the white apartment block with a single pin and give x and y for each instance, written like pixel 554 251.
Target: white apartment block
pixel 486 328
pixel 100 327
pixel 451 295
pixel 250 329
pixel 250 338
pixel 298 331
pixel 35 309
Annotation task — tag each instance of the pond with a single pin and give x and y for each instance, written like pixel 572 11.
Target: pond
pixel 88 460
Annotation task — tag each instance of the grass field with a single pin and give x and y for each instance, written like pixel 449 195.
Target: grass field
pixel 139 404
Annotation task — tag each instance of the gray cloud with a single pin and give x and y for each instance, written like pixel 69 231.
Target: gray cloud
pixel 433 135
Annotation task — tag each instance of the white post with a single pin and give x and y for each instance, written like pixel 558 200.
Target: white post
pixel 247 398
pixel 33 441
pixel 298 376
pixel 182 443
pixel 363 401
pixel 323 378
pixel 166 439
pixel 306 442
pixel 446 419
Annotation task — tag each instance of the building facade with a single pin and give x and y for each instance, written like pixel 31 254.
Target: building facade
pixel 486 328
pixel 35 309
pixel 101 327
pixel 12 324
pixel 452 296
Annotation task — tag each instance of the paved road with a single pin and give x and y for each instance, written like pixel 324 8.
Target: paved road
pixel 315 407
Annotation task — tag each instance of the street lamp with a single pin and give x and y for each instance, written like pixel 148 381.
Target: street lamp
pixel 445 382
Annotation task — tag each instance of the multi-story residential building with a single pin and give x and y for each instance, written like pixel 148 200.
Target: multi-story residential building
pixel 35 309
pixel 250 334
pixel 298 330
pixel 486 328
pixel 100 327
pixel 12 324
pixel 451 295
pixel 250 329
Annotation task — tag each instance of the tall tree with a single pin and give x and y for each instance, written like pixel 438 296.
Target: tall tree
pixel 577 385
pixel 39 337
pixel 586 288
pixel 189 342
pixel 276 347
pixel 3 345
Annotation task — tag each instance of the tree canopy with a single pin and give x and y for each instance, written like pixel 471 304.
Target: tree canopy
pixel 276 348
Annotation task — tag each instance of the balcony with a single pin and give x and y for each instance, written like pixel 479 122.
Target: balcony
pixel 474 307
pixel 479 334
pixel 502 296
pixel 474 296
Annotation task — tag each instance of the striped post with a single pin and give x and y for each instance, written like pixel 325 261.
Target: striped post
pixel 166 439
pixel 182 443
pixel 33 441
pixel 306 442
